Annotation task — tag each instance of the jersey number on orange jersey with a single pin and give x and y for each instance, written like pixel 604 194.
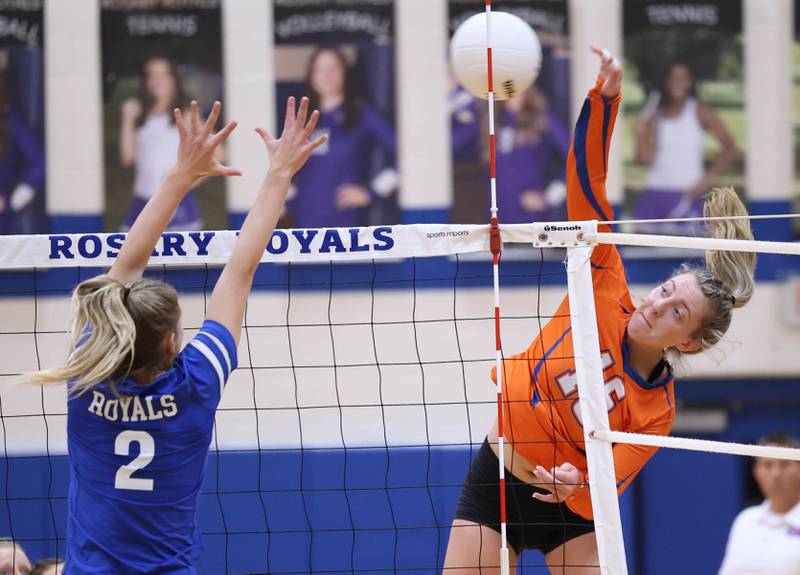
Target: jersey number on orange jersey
pixel 614 387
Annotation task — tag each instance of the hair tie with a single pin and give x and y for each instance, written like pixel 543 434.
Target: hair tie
pixel 125 293
pixel 733 300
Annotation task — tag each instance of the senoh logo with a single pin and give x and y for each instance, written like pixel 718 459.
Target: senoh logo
pixel 574 228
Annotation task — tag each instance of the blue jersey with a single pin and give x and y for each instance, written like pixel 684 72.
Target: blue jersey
pixel 138 460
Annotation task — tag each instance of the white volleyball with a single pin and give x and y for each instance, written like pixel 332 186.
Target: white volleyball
pixel 516 55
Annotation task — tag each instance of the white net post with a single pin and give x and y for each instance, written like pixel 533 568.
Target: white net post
pixel 594 413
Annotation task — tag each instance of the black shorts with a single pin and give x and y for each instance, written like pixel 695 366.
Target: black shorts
pixel 531 524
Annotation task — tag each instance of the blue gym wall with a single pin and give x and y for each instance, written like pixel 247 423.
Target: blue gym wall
pixel 388 510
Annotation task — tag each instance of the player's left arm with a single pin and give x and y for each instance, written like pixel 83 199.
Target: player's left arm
pixel 629 459
pixel 287 155
pixel 568 483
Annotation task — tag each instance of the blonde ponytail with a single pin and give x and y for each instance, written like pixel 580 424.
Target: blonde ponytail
pixel 115 330
pixel 727 280
pixel 102 335
pixel 734 269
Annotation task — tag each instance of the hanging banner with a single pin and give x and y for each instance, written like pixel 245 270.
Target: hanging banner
pixel 157 55
pixel 685 106
pixel 532 129
pixel 22 122
pixel 340 53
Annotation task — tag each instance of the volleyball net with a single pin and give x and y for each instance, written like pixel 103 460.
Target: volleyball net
pixel 363 389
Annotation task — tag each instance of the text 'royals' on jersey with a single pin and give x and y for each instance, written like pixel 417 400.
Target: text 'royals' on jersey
pixel 138 460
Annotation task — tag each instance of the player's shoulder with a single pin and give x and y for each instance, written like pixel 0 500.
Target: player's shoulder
pixel 215 338
pixel 209 358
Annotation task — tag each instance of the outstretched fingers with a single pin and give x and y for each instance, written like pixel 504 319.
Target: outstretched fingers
pixel 227 171
pixel 311 125
pixel 317 142
pixel 194 114
pixel 265 135
pixel 211 121
pixel 180 122
pixel 610 74
pixel 603 53
pixel 288 121
pixel 608 62
pixel 302 113
pixel 223 134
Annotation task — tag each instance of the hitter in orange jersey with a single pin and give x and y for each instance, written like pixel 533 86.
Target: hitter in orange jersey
pixel 548 498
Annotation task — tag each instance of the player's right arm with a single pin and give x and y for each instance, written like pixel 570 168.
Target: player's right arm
pixel 587 167
pixel 587 163
pixel 287 156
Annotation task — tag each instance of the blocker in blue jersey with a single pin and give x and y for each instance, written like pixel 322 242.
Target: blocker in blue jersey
pixel 138 460
pixel 141 412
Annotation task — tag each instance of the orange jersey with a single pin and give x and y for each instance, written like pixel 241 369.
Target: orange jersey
pixel 542 416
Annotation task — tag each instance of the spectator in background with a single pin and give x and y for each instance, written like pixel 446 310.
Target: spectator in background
pixel 336 187
pixel 765 539
pixel 22 166
pixel 670 135
pixel 13 560
pixel 148 139
pixel 47 567
pixel 530 143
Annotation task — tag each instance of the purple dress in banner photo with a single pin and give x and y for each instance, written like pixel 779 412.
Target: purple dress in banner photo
pixel 22 163
pixel 528 166
pixel 466 113
pixel 345 159
pixel 470 184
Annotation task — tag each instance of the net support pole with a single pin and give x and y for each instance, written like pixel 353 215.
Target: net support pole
pixel 594 413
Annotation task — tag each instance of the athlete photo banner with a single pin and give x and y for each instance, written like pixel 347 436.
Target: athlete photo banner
pixel 157 55
pixel 340 53
pixel 796 117
pixel 685 124
pixel 22 121
pixel 532 129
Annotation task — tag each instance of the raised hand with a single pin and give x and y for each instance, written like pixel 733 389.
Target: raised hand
pixel 562 482
pixel 293 148
pixel 198 143
pixel 610 75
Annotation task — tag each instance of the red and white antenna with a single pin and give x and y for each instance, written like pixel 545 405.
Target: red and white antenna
pixel 495 244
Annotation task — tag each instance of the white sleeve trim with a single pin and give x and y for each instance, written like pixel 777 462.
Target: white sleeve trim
pixel 212 359
pixel 223 350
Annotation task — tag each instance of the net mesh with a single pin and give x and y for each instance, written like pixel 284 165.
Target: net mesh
pixel 341 442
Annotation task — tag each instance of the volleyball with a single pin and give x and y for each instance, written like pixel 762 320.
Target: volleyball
pixel 516 55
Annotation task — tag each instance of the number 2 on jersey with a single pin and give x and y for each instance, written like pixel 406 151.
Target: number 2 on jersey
pixel 147 449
